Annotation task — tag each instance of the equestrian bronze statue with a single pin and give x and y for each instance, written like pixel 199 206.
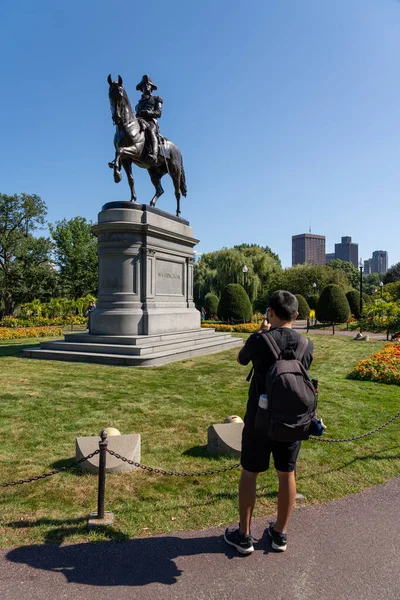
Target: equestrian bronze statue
pixel 137 140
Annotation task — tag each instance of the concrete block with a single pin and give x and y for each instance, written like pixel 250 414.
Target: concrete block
pixel 126 445
pixel 93 521
pixel 225 439
pixel 360 337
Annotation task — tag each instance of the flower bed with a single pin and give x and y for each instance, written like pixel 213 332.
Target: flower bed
pixel 11 333
pixel 383 367
pixel 241 328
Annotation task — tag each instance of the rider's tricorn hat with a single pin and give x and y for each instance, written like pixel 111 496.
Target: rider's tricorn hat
pixel 145 79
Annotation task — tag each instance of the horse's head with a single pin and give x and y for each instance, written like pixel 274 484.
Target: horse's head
pixel 118 99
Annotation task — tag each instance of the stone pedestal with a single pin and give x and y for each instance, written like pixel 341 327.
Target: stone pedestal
pixel 145 314
pixel 145 272
pixel 125 445
pixel 225 438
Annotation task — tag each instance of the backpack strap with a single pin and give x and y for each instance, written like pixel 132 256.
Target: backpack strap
pixel 301 348
pixel 272 345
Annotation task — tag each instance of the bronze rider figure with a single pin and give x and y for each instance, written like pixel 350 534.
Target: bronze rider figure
pixel 148 110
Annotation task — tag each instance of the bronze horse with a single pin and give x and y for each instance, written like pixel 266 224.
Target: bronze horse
pixel 129 142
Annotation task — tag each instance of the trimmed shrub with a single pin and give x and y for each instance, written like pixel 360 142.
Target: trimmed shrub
pixel 304 309
pixel 367 301
pixel 312 301
pixel 211 305
pixel 353 298
pixel 333 306
pixel 234 304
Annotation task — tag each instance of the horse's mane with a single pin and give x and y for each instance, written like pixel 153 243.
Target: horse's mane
pixel 126 98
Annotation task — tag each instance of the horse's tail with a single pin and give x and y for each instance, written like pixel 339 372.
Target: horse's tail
pixel 182 182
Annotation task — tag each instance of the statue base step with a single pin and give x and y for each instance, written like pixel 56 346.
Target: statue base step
pixel 134 351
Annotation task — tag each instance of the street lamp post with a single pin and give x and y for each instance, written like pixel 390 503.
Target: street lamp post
pixel 361 292
pixel 381 286
pixel 245 269
pixel 314 287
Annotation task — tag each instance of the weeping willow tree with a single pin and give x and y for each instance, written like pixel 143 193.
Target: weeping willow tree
pixel 215 270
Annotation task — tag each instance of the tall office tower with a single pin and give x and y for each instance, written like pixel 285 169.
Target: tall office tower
pixel 379 261
pixel 368 266
pixel 308 248
pixel 347 250
pixel 330 256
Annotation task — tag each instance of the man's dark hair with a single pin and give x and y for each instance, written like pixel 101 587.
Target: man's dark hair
pixel 284 304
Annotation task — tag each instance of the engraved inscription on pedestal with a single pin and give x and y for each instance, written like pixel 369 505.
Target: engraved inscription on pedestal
pixel 169 278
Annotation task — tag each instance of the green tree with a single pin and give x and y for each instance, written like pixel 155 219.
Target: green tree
pixel 215 270
pixel 25 261
pixel 304 309
pixel 211 304
pixel 392 274
pixel 300 279
pixel 392 291
pixel 353 298
pixel 234 304
pixel 312 301
pixel 332 306
pixel 76 256
pixel 352 273
pixel 371 283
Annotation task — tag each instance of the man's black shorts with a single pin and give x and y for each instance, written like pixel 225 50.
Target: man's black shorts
pixel 257 449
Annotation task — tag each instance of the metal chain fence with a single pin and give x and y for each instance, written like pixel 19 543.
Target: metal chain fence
pixel 183 473
pixel 356 437
pixel 176 473
pixel 50 473
pixel 237 465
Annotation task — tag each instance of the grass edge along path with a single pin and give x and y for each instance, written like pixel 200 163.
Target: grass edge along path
pixel 44 405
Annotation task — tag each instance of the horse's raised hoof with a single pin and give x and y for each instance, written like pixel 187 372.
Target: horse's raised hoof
pixel 117 176
pixel 111 165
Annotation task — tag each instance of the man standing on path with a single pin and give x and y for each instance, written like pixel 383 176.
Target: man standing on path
pixel 256 446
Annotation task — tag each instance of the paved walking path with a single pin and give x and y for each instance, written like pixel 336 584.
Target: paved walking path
pixel 302 326
pixel 346 549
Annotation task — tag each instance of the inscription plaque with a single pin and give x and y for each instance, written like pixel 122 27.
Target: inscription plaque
pixel 169 278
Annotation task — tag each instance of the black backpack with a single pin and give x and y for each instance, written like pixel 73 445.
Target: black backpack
pixel 292 401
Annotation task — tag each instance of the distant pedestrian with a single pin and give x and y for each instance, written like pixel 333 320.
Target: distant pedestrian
pixel 256 445
pixel 90 309
pixel 203 314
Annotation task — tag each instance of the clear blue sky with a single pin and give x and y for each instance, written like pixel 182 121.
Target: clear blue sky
pixel 286 111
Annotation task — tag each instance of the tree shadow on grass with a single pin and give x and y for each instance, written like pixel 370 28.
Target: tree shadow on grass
pixel 202 452
pixel 65 462
pixel 376 455
pixel 59 530
pixel 16 349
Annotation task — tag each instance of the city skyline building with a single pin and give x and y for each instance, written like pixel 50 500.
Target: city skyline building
pixel 308 248
pixel 330 256
pixel 347 250
pixel 368 266
pixel 379 261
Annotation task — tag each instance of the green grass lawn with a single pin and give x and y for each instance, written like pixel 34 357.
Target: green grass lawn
pixel 44 405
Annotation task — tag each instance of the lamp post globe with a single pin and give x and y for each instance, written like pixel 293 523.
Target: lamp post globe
pixel 381 286
pixel 245 269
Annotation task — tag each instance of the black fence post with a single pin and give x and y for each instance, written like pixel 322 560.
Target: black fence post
pixel 102 474
pixel 101 518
